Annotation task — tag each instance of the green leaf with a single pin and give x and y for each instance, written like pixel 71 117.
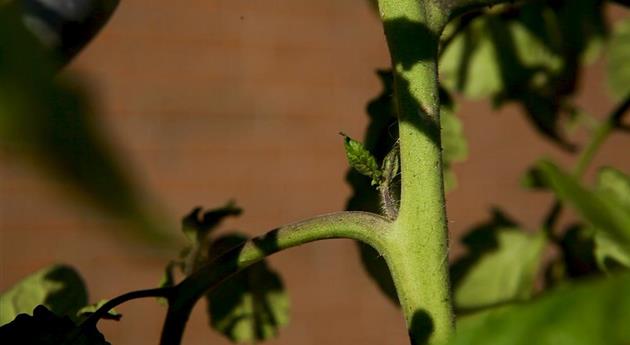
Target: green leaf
pixel 613 185
pixel 602 211
pixel 88 310
pixel 454 144
pixel 528 53
pixel 500 266
pixel 609 253
pixel 587 313
pixel 468 64
pixel 619 54
pixel 361 159
pixel 46 328
pixel 251 306
pixel 59 288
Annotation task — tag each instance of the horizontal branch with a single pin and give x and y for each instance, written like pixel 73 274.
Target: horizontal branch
pixel 365 227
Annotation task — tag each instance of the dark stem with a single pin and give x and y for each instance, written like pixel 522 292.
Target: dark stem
pixel 175 324
pixel 167 293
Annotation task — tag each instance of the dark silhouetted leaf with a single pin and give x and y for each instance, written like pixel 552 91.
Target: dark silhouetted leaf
pixel 58 287
pixel 46 328
pixel 251 306
pixel 197 227
pixel 500 266
pixel 587 313
pixel 618 57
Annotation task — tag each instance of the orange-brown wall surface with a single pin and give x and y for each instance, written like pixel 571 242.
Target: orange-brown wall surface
pixel 211 100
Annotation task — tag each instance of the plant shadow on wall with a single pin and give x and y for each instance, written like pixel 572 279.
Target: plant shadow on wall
pixel 531 53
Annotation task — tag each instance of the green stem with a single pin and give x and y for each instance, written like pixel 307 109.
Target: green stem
pixel 417 251
pixel 365 227
pixel 600 135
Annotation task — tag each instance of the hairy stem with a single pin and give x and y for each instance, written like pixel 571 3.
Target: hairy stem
pixel 365 227
pixel 418 245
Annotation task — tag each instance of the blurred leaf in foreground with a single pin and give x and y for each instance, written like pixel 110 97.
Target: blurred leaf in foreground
pixel 65 27
pixel 49 124
pixel 59 288
pixel 46 328
pixel 585 313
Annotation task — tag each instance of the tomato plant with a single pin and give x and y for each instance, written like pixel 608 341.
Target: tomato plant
pixel 530 53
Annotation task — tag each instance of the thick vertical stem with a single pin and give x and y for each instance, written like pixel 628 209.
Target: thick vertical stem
pixel 418 251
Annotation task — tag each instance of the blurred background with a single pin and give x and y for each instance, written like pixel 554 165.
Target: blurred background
pixel 216 100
